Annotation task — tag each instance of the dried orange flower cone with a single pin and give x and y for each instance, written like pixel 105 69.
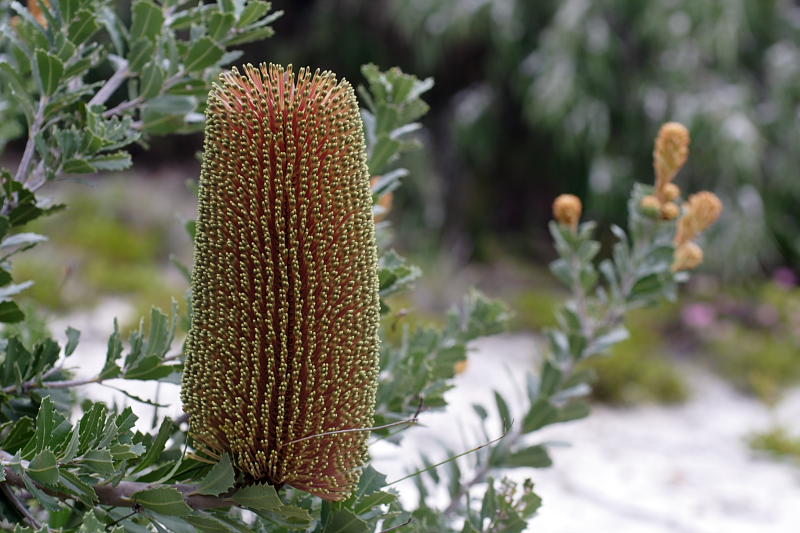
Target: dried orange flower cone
pixel 283 347
pixel 669 155
pixel 687 257
pixel 567 210
pixel 703 209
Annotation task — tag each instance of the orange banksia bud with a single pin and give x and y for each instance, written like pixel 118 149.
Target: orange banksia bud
pixel 703 209
pixel 670 153
pixel 282 356
pixel 567 210
pixel 687 256
pixel 670 192
pixel 670 211
pixel 650 206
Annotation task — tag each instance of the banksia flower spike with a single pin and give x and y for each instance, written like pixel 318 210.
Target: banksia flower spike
pixel 282 356
pixel 567 210
pixel 669 155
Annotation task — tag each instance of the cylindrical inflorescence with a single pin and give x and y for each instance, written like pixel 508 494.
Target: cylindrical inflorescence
pixel 284 337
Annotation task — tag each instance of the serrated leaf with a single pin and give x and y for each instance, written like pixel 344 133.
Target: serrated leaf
pixel 219 479
pixel 344 521
pixel 90 524
pixel 154 451
pixel 49 70
pixel 163 500
pixel 99 461
pixel 259 497
pixel 43 469
pixel 203 53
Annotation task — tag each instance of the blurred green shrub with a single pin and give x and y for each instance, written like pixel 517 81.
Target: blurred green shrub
pixel 537 97
pixel 777 442
pixel 639 370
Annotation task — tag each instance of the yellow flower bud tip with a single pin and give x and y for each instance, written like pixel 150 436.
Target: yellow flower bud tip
pixel 670 152
pixel 567 210
pixel 461 366
pixel 687 257
pixel 650 205
pixel 670 192
pixel 670 211
pixel 704 208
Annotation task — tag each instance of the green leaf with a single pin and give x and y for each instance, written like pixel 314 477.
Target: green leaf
pixel 141 54
pixel 147 19
pixel 254 10
pixel 17 89
pixel 117 161
pixel 163 500
pixel 256 34
pixel 99 461
pixel 541 414
pixel 344 521
pixel 152 81
pixel 77 166
pixel 43 468
pixel 49 70
pixel 73 336
pixel 502 409
pixel 533 456
pixel 219 479
pixel 82 27
pixel 259 497
pixel 90 524
pixel 155 449
pixel 203 53
pixel 10 312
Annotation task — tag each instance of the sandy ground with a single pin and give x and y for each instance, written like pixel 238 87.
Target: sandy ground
pixel 647 469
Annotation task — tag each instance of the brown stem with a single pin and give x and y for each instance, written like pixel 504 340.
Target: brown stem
pixel 121 494
pixel 19 506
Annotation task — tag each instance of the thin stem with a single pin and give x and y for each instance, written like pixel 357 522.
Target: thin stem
pixel 19 506
pixel 449 459
pixel 410 421
pixel 110 87
pixel 30 147
pixel 124 106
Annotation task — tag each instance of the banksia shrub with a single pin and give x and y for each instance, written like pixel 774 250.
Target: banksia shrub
pixel 282 354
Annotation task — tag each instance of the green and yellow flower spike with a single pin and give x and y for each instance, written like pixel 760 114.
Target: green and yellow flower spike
pixel 282 355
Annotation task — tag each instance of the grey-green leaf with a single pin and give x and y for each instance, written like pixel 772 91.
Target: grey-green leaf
pixel 219 479
pixel 43 467
pixel 49 70
pixel 203 53
pixel 258 497
pixel 164 500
